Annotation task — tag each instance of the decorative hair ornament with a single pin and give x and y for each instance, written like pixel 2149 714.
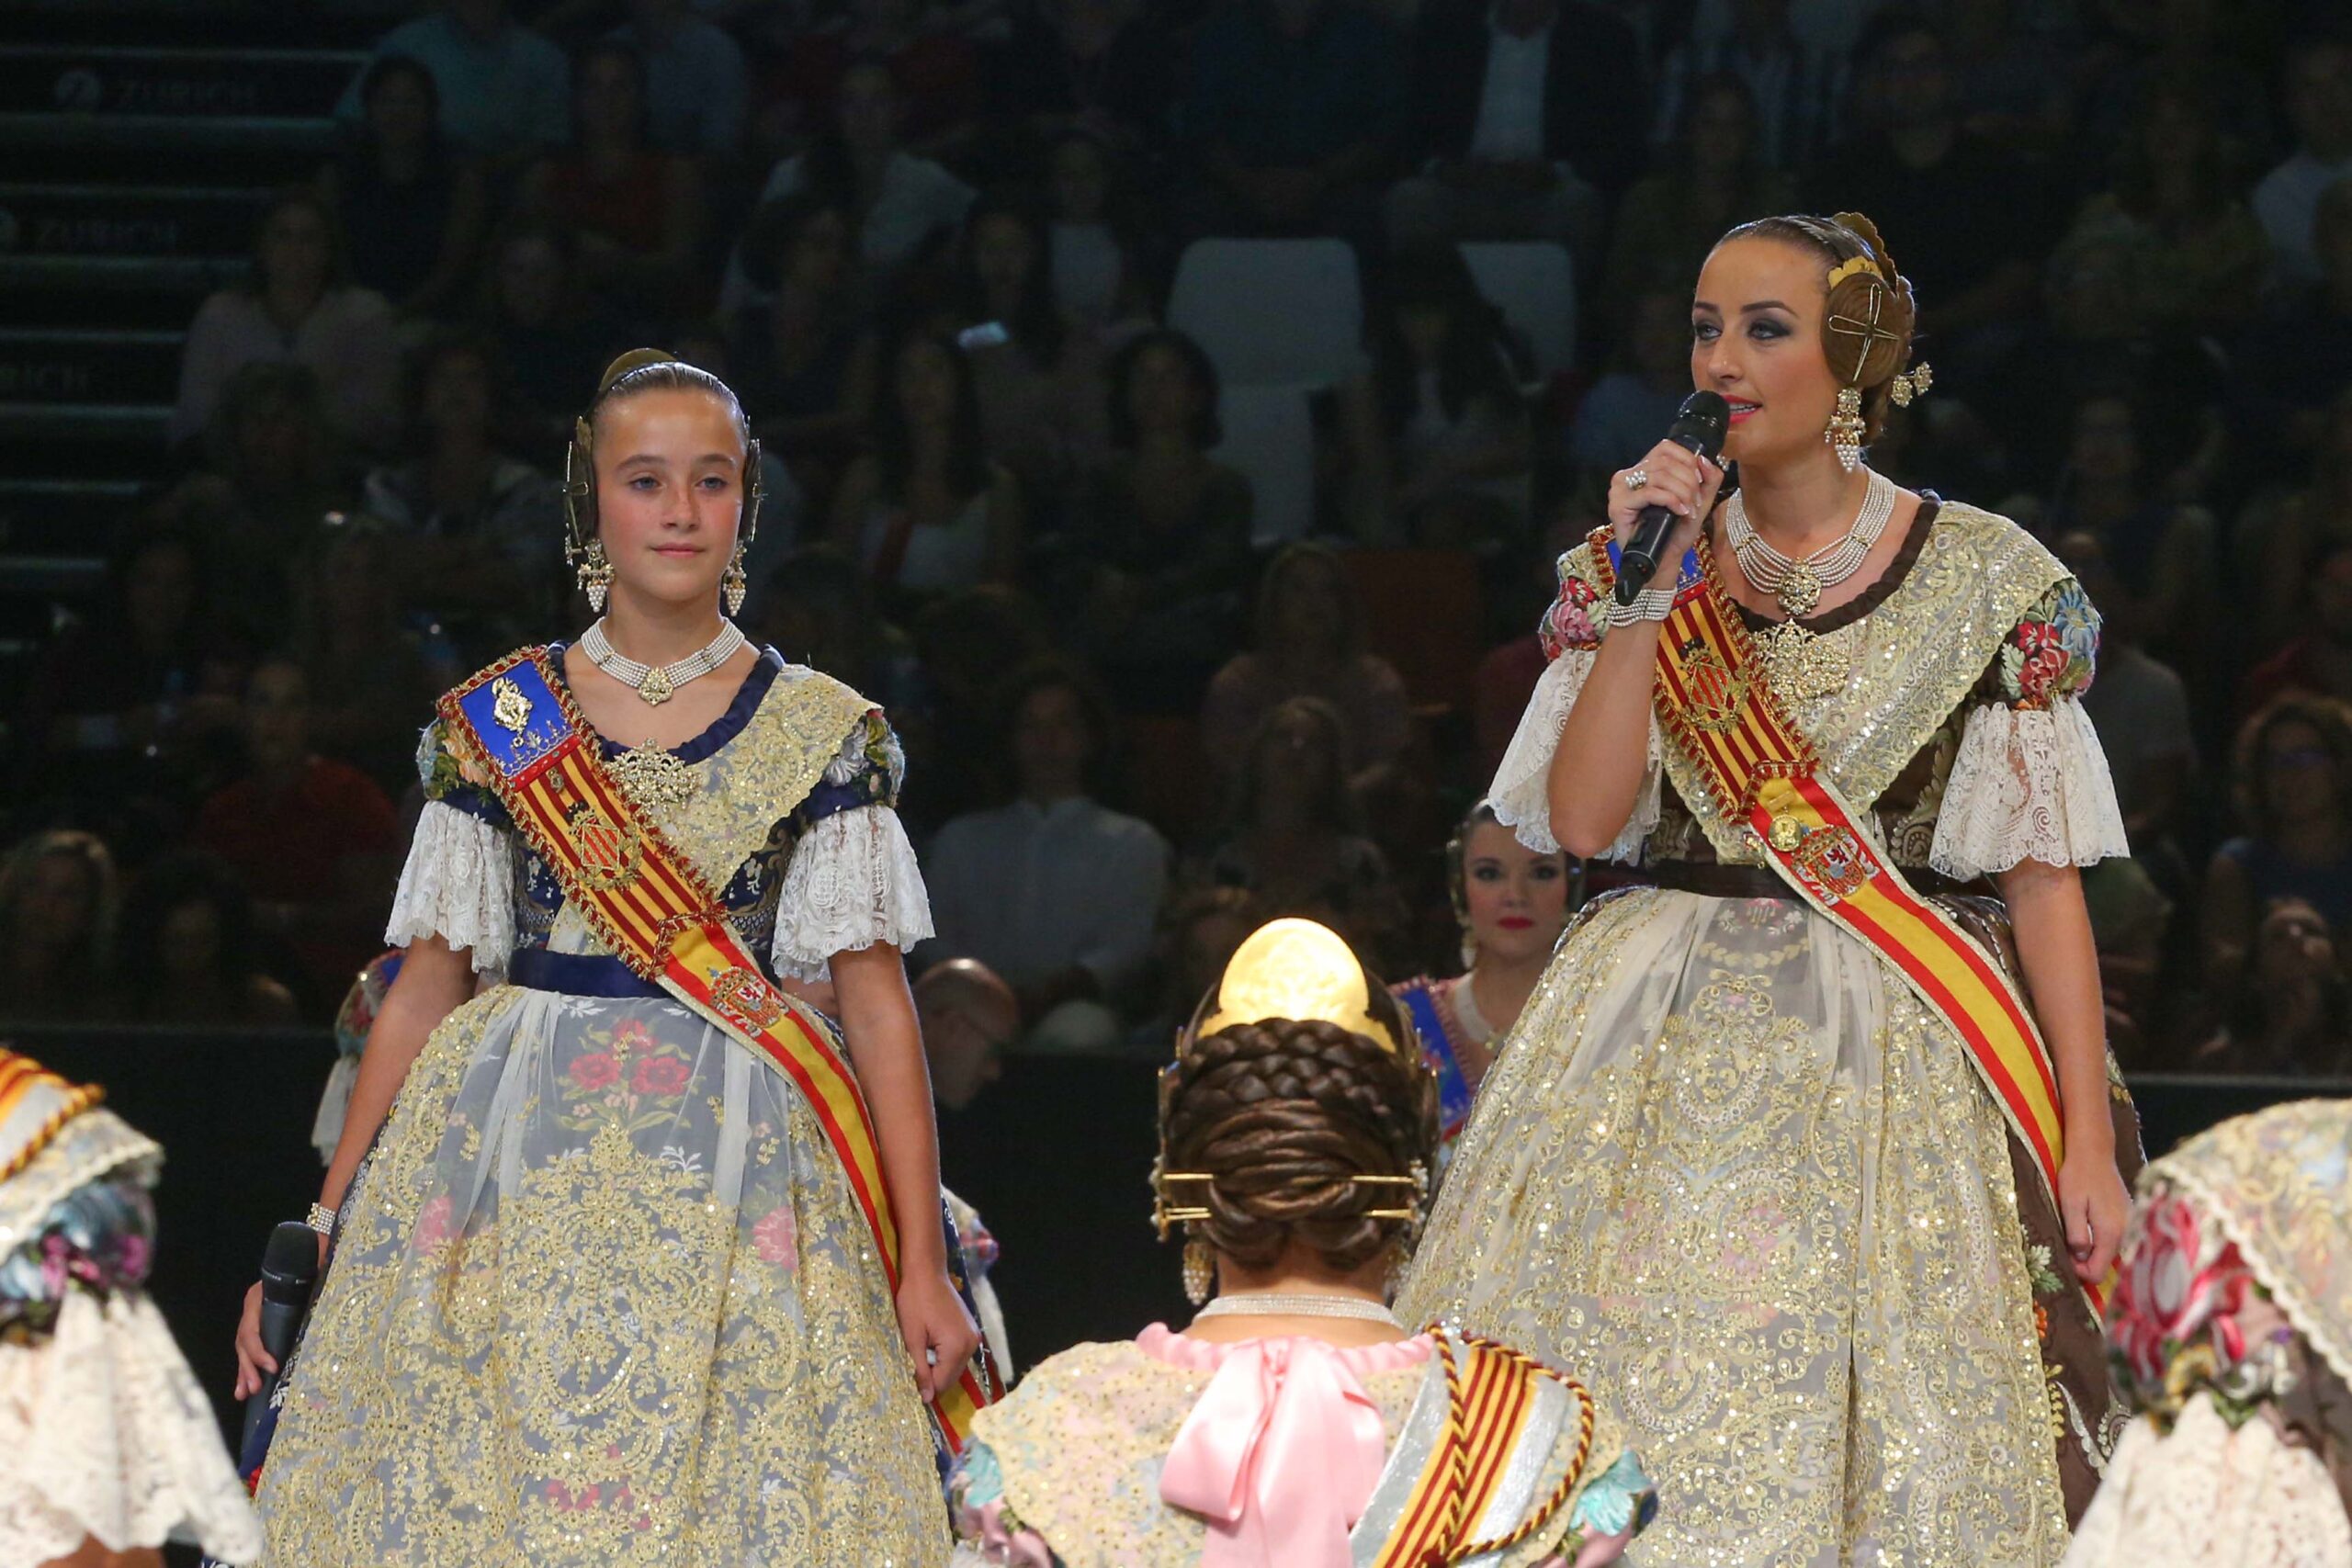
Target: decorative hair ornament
pixel 1295 969
pixel 1852 264
pixel 1911 385
pixel 584 548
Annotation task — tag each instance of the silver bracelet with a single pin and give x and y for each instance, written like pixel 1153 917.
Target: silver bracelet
pixel 320 1219
pixel 1649 605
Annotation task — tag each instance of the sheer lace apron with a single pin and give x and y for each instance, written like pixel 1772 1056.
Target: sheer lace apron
pixel 1731 1171
pixel 602 1298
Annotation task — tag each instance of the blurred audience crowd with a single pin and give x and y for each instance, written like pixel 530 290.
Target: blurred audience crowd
pixel 1159 676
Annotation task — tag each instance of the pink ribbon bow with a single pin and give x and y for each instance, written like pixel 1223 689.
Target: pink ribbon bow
pixel 1280 1455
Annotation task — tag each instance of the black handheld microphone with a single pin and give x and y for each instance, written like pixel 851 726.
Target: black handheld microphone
pixel 289 1267
pixel 1698 426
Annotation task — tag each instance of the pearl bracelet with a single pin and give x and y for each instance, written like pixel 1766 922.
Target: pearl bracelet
pixel 1649 605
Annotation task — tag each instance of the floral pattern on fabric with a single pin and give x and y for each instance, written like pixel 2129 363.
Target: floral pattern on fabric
pixel 2174 1320
pixel 2052 652
pixel 1568 623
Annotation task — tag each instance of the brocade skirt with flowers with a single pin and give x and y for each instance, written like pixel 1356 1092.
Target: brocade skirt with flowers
pixel 1731 1170
pixel 601 1296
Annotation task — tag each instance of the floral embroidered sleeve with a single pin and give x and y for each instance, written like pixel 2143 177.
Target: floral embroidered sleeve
pixel 2029 780
pixel 1521 792
pixel 852 880
pixel 986 1529
pixel 459 884
pixel 2188 1314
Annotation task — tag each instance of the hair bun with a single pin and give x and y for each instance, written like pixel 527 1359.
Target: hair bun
pixel 1871 311
pixel 629 364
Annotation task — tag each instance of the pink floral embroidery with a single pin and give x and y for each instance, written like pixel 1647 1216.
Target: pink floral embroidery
pixel 633 1035
pixel 592 1073
pixel 2178 1285
pixel 432 1225
pixel 564 1497
pixel 1568 623
pixel 2042 660
pixel 661 1075
pixel 776 1238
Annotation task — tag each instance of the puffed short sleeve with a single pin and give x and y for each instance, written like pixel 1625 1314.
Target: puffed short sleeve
pixel 2029 780
pixel 458 882
pixel 852 880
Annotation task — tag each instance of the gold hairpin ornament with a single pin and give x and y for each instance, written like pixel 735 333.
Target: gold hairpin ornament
pixel 1163 1215
pixel 1912 384
pixel 1852 264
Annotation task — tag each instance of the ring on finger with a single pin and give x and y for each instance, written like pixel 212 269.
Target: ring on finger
pixel 1636 479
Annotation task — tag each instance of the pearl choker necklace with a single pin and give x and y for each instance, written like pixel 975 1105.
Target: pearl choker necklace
pixel 657 684
pixel 1297 1304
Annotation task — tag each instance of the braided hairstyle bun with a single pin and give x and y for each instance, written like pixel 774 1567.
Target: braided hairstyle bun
pixel 1869 317
pixel 1279 1114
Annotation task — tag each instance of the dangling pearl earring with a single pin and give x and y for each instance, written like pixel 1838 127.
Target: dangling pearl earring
pixel 595 575
pixel 1847 427
pixel 1200 1271
pixel 734 585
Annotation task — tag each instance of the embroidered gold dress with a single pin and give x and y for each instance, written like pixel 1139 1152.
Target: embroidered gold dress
pixel 1068 1470
pixel 1731 1170
pixel 601 1294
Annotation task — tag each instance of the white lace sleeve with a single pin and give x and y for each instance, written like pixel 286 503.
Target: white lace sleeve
pixel 107 1435
pixel 458 885
pixel 2028 784
pixel 852 882
pixel 1521 794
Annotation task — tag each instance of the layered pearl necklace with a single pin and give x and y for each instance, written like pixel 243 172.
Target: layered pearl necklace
pixel 1799 584
pixel 657 684
pixel 1297 1304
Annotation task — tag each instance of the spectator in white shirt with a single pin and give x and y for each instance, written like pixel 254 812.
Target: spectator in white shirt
pixel 505 91
pixel 298 307
pixel 1054 891
pixel 1527 117
pixel 2319 101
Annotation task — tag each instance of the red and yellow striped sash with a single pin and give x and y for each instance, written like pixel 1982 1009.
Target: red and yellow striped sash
pixel 655 911
pixel 1491 1393
pixel 35 1105
pixel 1761 771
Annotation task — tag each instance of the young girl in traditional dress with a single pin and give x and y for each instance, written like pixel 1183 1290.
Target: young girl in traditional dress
pixel 615 1277
pixel 1296 1423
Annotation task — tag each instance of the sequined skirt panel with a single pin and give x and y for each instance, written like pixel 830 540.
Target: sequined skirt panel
pixel 602 1298
pixel 1729 1171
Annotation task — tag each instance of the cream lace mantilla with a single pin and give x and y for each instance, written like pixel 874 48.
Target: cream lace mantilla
pixel 2276 1183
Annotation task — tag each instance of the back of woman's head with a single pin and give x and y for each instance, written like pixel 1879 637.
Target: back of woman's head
pixel 1298 1106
